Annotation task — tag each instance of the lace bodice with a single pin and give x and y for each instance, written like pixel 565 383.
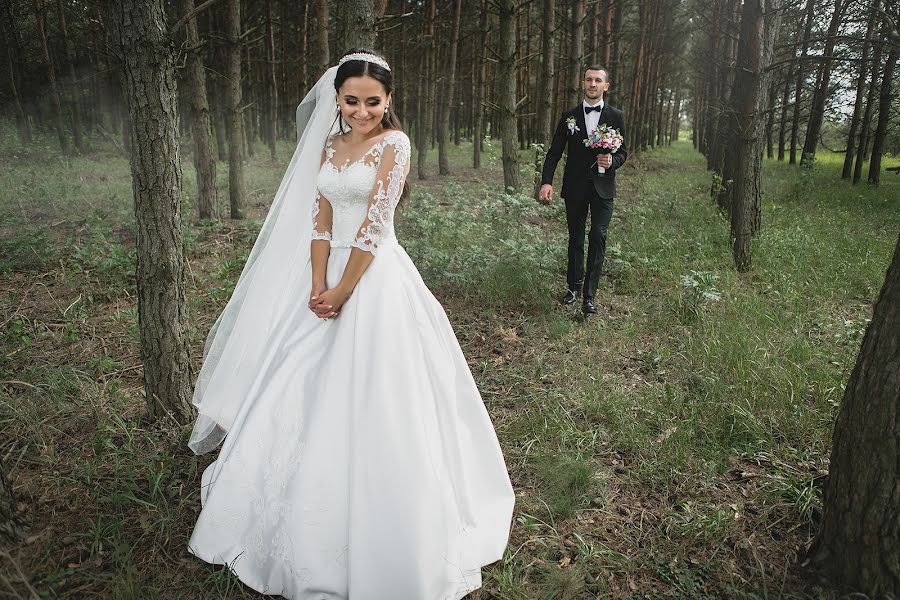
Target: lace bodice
pixel 356 198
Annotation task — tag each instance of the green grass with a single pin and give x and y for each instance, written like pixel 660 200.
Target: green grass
pixel 666 449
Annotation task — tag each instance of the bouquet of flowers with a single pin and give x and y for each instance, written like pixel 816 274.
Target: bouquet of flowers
pixel 605 139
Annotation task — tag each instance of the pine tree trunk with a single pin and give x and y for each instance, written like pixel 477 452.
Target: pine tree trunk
pixel 75 99
pixel 847 169
pixel 548 56
pixel 23 127
pixel 759 30
pixel 358 24
pixel 858 544
pixel 823 79
pixel 322 51
pixel 576 51
pixel 861 151
pixel 480 83
pixel 271 83
pixel 770 119
pixel 506 78
pixel 884 116
pixel 782 127
pixel 426 116
pixel 235 118
pixel 149 85
pixel 195 78
pixel 795 122
pixel 51 76
pixel 448 92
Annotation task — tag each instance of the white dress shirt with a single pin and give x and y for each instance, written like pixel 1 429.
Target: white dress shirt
pixel 591 119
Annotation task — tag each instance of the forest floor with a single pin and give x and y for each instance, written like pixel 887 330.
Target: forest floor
pixel 671 447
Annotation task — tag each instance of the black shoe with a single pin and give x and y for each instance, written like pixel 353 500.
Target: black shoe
pixel 570 297
pixel 589 307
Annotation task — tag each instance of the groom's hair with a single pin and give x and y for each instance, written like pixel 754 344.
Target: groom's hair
pixel 596 67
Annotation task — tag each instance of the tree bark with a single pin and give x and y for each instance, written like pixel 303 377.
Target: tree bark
pixel 782 128
pixel 823 79
pixel 271 84
pixel 322 35
pixel 149 85
pixel 41 20
pixel 75 93
pixel 548 57
pixel 759 30
pixel 23 127
pixel 506 78
pixel 204 163
pixel 884 116
pixel 576 51
pixel 480 83
pixel 861 152
pixel 235 116
pixel 357 25
pixel 798 88
pixel 858 544
pixel 847 170
pixel 426 116
pixel 449 90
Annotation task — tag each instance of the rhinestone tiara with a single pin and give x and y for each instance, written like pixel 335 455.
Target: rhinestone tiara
pixel 366 57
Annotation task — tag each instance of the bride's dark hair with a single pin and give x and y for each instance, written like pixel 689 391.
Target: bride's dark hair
pixel 359 68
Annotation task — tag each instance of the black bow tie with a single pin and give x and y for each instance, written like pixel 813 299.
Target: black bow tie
pixel 588 109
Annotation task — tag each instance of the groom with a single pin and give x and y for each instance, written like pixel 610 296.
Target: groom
pixel 584 188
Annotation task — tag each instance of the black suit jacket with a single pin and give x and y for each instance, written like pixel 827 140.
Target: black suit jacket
pixel 581 168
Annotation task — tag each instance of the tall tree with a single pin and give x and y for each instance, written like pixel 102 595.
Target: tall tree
pixel 847 170
pixel 271 84
pixel 545 100
pixel 864 126
pixel 234 109
pixel 760 20
pixel 41 20
pixel 798 87
pixel 357 25
pixel 74 92
pixel 149 86
pixel 427 73
pixel 322 52
pixel 858 544
pixel 823 80
pixel 508 104
pixel 578 14
pixel 23 127
pixel 195 78
pixel 481 64
pixel 448 92
pixel 884 114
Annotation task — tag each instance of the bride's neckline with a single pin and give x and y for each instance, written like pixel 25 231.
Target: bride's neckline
pixel 330 152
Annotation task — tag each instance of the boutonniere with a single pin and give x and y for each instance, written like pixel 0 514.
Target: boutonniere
pixel 572 125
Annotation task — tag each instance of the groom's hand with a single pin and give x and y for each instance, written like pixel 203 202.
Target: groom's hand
pixel 545 194
pixel 604 160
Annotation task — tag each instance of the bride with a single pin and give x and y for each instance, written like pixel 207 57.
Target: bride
pixel 358 460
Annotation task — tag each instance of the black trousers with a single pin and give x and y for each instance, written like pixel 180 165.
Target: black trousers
pixel 576 219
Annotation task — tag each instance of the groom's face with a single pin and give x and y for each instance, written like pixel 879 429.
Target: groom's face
pixel 595 82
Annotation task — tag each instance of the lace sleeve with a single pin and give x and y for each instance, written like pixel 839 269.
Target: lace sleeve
pixel 392 170
pixel 321 218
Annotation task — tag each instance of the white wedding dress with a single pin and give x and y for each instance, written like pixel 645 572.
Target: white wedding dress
pixel 362 463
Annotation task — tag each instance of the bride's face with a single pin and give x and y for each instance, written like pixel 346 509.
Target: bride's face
pixel 363 101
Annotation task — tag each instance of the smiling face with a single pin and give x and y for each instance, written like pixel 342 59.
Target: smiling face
pixel 363 102
pixel 595 82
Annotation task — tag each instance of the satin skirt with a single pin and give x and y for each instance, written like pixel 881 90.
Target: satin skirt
pixel 363 464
